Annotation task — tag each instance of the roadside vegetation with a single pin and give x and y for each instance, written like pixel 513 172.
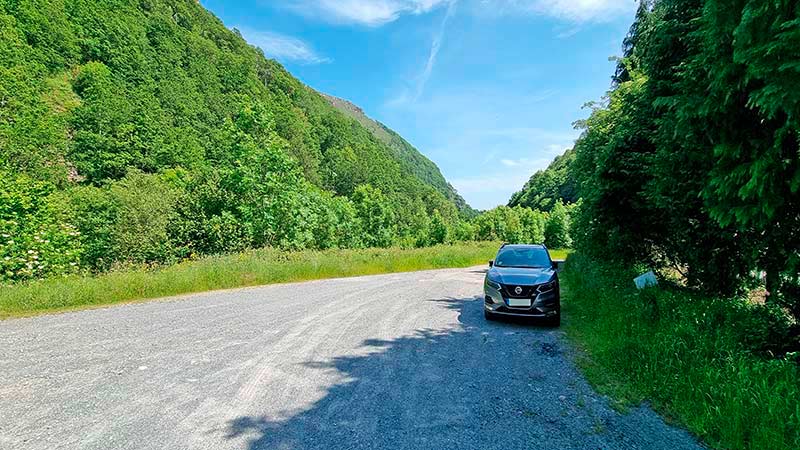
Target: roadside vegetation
pixel 252 268
pixel 690 167
pixel 715 365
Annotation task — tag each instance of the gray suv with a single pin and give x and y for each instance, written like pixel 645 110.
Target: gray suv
pixel 522 281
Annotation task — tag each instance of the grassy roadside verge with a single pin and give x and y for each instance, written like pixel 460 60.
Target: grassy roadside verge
pixel 253 268
pixel 694 359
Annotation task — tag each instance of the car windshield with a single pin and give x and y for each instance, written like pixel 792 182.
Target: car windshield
pixel 524 257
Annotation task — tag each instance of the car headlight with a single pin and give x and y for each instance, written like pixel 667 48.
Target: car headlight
pixel 493 283
pixel 547 287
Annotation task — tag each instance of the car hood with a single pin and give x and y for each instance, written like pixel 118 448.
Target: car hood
pixel 522 277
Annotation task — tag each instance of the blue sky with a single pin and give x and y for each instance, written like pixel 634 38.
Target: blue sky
pixel 487 89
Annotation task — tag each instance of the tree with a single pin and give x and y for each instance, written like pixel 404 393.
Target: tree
pixel 376 216
pixel 557 228
pixel 439 231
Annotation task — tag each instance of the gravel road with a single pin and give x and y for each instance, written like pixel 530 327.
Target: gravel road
pixel 403 361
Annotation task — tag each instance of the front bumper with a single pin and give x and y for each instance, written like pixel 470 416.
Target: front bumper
pixel 543 305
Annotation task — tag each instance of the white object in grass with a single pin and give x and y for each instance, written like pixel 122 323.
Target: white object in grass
pixel 647 280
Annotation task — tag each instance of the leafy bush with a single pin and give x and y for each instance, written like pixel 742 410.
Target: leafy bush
pixel 439 231
pixel 376 216
pixel 35 241
pixel 144 212
pixel 557 227
pixel 94 213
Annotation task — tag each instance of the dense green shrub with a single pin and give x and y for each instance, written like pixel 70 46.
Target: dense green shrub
pixel 439 231
pixel 375 215
pixel 144 211
pixel 94 213
pixel 35 240
pixel 557 227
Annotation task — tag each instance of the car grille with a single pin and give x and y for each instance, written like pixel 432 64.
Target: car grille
pixel 509 291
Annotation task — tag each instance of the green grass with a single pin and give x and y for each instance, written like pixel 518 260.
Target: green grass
pixel 694 359
pixel 559 255
pixel 253 268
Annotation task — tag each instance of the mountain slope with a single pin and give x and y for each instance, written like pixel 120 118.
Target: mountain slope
pixel 115 85
pixel 413 161
pixel 147 131
pixel 546 187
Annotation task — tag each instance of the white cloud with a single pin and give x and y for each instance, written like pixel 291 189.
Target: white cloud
pixel 509 162
pixel 371 13
pixel 578 11
pixel 436 44
pixel 529 163
pixel 490 184
pixel 282 47
pixel 374 13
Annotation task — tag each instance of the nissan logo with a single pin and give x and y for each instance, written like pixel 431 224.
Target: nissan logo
pixel 518 290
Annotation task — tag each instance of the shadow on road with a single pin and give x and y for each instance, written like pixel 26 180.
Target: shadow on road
pixel 426 390
pixel 478 385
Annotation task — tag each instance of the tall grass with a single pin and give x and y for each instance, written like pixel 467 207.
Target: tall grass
pixel 696 360
pixel 221 272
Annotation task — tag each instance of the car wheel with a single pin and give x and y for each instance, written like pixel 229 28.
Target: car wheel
pixel 488 315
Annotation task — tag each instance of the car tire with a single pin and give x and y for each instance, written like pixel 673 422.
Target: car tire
pixel 488 316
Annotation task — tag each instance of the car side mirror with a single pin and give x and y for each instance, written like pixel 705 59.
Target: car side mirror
pixel 491 263
pixel 555 265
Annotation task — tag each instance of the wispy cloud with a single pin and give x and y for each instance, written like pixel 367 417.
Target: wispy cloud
pixel 436 44
pixel 490 184
pixel 374 13
pixel 281 47
pixel 584 10
pixel 523 162
pixel 576 11
pixel 370 13
pixel 410 95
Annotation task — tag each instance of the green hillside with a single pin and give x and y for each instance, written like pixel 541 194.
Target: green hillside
pixel 411 159
pixel 547 187
pixel 147 131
